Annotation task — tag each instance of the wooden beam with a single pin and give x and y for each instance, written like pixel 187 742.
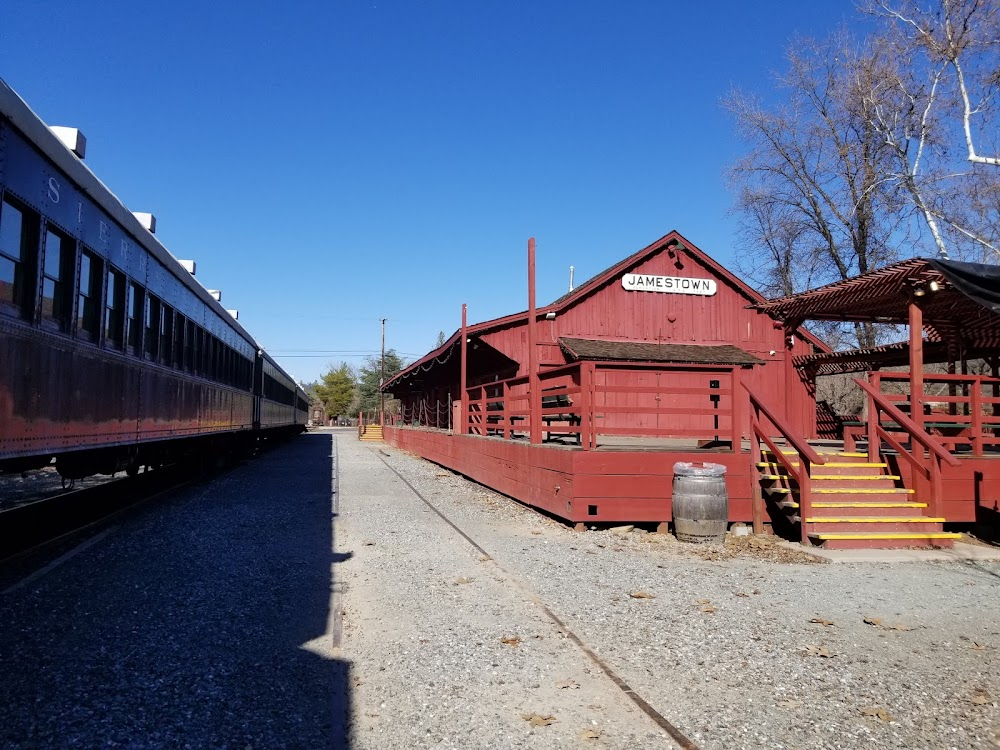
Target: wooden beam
pixel 462 378
pixel 534 388
pixel 916 317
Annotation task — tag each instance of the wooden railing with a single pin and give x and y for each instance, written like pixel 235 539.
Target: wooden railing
pixel 926 461
pixel 578 400
pixel 970 417
pixel 801 474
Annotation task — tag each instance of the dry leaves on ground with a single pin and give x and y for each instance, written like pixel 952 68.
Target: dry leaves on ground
pixel 976 646
pixel 821 651
pixel 368 544
pixel 537 720
pixel 980 698
pixel 590 734
pixel 642 595
pixel 821 621
pixel 568 685
pixel 877 622
pixel 789 703
pixel 877 712
pixel 511 640
pixel 462 580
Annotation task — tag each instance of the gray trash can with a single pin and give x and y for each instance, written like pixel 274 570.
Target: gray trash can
pixel 700 502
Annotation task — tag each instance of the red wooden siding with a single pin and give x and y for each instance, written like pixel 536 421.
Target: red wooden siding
pixel 612 312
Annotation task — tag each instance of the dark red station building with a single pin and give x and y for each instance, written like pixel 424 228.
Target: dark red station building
pixel 639 367
pixel 582 407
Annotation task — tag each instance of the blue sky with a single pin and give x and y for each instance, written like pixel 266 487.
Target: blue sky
pixel 328 164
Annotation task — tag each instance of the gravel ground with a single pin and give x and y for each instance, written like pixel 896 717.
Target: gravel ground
pixel 207 621
pixel 746 646
pixel 199 622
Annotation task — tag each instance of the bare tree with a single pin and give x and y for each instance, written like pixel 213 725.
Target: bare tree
pixel 935 105
pixel 812 191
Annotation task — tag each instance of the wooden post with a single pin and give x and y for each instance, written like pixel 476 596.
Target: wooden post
pixel 874 441
pixel 737 399
pixel 462 384
pixel 586 407
pixel 534 392
pixel 805 496
pixel 508 427
pixel 977 417
pixel 790 378
pixel 756 494
pixel 916 364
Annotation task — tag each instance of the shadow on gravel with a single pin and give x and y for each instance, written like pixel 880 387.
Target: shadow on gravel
pixel 203 622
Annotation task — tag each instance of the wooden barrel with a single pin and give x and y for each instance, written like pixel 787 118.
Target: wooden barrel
pixel 700 506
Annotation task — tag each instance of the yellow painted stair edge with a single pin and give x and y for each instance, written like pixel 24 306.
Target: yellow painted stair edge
pixel 858 505
pixel 842 491
pixel 852 454
pixel 875 519
pixel 827 465
pixel 830 536
pixel 845 477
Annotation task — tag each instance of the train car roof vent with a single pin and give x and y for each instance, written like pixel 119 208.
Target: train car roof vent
pixel 188 265
pixel 148 221
pixel 216 294
pixel 234 313
pixel 71 138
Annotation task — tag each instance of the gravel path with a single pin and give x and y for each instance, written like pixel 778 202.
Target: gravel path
pixel 209 621
pixel 736 650
pixel 198 622
pixel 446 650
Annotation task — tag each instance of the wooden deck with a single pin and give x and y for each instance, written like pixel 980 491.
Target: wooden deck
pixel 630 479
pixel 624 482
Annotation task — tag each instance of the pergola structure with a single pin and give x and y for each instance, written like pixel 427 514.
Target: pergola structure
pixel 956 305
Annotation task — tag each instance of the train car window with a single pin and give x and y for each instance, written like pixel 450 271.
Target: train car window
pixel 151 348
pixel 166 334
pixel 114 310
pixel 199 351
pixel 179 341
pixel 189 344
pixel 133 323
pixel 57 278
pixel 88 304
pixel 18 255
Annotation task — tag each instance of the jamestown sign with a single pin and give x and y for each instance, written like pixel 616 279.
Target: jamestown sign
pixel 638 282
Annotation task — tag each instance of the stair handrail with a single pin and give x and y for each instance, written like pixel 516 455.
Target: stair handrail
pixel 802 476
pixel 936 452
pixel 909 426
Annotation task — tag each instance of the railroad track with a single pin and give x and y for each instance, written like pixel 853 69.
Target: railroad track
pixel 31 525
pixel 661 721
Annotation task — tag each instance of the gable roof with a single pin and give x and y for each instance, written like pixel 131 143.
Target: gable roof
pixel 669 242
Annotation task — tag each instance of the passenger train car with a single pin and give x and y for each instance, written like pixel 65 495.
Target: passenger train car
pixel 112 355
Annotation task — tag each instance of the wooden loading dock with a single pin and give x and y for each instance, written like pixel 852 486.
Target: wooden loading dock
pixel 583 406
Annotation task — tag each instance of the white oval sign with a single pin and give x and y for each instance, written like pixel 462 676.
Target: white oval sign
pixel 640 282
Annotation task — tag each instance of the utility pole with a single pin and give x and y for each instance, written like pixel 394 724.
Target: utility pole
pixel 381 382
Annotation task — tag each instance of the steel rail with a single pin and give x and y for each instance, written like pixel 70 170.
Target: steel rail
pixel 661 721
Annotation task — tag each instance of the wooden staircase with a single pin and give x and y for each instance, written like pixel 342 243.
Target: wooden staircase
pixel 372 433
pixel 855 503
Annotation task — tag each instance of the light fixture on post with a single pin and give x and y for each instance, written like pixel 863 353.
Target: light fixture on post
pixel 934 286
pixel 550 316
pixel 919 291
